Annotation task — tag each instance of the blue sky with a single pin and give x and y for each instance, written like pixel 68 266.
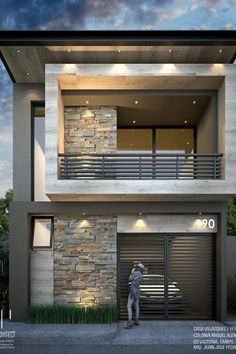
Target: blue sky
pixel 98 15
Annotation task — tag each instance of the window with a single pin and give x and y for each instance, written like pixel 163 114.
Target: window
pixel 129 140
pixel 175 140
pixel 42 232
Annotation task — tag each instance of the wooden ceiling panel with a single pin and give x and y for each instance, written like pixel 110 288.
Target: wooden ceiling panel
pixel 31 59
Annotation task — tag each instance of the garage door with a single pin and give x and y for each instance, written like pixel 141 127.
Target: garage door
pixel 179 281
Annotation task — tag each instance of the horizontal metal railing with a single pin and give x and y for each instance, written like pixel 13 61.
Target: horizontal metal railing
pixel 139 166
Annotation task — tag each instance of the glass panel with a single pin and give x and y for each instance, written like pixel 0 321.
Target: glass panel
pixel 42 232
pixel 134 140
pixel 175 140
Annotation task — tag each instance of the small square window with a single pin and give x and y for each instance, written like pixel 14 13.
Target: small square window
pixel 42 232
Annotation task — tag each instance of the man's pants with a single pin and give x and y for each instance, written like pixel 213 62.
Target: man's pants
pixel 129 307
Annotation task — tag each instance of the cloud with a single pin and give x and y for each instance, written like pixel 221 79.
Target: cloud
pixel 227 26
pixel 112 14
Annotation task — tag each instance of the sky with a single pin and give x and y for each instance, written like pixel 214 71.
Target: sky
pixel 99 15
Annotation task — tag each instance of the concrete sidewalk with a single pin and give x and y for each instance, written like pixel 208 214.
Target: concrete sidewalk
pixel 150 337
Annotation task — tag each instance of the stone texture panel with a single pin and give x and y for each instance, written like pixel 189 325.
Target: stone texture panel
pixel 90 129
pixel 85 257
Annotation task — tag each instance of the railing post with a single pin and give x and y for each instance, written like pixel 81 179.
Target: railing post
pixel 177 167
pixel 103 168
pixel 214 171
pixel 140 167
pixel 66 167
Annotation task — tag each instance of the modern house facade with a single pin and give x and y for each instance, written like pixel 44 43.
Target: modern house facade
pixel 124 151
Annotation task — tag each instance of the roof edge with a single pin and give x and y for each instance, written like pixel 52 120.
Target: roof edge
pixel 131 37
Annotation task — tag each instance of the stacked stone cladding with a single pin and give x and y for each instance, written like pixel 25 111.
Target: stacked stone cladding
pixel 85 260
pixel 90 129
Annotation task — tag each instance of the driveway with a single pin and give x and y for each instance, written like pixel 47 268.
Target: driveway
pixel 150 337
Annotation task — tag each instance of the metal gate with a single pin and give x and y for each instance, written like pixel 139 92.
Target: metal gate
pixel 180 279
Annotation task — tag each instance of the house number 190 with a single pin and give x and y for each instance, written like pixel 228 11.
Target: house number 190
pixel 208 223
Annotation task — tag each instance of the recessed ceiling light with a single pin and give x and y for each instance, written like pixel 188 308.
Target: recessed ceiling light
pixel 199 213
pixel 136 102
pixel 185 122
pixel 28 74
pixel 69 50
pixel 187 143
pixel 170 50
pixel 119 50
pixel 83 213
pixel 194 101
pixel 87 102
pixel 18 51
pixel 140 213
pixel 220 51
pixel 134 121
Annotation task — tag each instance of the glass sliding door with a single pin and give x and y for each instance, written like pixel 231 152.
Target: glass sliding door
pixel 134 140
pixel 177 140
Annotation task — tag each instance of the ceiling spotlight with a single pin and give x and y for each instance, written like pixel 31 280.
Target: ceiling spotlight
pixel 185 122
pixel 199 213
pixel 136 102
pixel 187 143
pixel 140 214
pixel 83 213
pixel 220 51
pixel 69 50
pixel 119 51
pixel 87 102
pixel 134 121
pixel 28 74
pixel 170 51
pixel 18 51
pixel 194 101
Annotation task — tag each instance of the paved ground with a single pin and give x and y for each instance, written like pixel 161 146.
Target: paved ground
pixel 149 338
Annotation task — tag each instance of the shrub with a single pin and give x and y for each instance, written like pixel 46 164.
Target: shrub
pixel 72 314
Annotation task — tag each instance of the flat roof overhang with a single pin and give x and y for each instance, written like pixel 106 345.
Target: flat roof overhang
pixel 41 47
pixel 87 38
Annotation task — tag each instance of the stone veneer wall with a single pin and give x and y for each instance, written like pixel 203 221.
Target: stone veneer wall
pixel 90 129
pixel 85 257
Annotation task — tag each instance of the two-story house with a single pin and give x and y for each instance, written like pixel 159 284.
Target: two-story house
pixel 124 151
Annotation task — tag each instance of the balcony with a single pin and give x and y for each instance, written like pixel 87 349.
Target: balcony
pixel 135 166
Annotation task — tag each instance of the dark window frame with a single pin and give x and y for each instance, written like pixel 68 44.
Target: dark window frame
pixel 37 217
pixel 155 127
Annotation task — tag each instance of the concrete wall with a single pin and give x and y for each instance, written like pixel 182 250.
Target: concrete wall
pixel 23 94
pixel 85 260
pixel 231 252
pixel 207 130
pixel 41 277
pixel 140 77
pixel 90 129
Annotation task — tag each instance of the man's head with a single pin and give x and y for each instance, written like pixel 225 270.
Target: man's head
pixel 140 267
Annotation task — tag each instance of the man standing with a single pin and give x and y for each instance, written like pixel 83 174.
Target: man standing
pixel 134 293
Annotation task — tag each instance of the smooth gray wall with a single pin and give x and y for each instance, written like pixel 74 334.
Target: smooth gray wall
pixel 231 252
pixel 23 94
pixel 207 130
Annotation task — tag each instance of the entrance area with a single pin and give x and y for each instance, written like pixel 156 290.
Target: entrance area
pixel 179 281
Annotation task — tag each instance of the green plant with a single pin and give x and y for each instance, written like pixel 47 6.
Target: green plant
pixel 72 314
pixel 231 293
pixel 231 217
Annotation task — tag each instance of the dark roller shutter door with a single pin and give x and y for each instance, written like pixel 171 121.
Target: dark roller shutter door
pixel 148 249
pixel 191 268
pixel 188 263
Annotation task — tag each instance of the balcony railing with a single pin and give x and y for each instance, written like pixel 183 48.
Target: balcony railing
pixel 139 166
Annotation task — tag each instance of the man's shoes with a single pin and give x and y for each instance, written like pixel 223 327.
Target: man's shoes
pixel 136 322
pixel 129 324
